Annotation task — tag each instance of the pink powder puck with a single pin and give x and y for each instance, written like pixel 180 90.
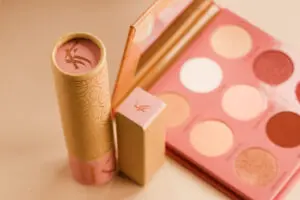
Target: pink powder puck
pixel 78 56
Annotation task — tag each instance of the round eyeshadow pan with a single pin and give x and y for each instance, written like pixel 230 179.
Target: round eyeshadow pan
pixel 211 138
pixel 201 75
pixel 177 103
pixel 231 41
pixel 273 67
pixel 257 167
pixel 243 102
pixel 283 129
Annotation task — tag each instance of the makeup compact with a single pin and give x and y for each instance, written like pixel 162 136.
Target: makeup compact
pixel 232 93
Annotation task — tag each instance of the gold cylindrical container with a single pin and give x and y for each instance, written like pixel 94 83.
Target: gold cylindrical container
pixel 81 79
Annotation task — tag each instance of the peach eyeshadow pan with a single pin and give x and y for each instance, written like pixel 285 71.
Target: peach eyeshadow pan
pixel 243 102
pixel 220 116
pixel 231 41
pixel 211 138
pixel 177 103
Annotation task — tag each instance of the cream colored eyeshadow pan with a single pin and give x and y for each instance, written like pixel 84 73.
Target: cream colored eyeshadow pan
pixel 201 75
pixel 231 41
pixel 211 138
pixel 243 102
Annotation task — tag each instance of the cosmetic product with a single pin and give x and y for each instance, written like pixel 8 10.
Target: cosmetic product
pixel 232 95
pixel 81 78
pixel 141 136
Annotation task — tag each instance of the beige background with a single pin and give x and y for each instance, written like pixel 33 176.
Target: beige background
pixel 32 153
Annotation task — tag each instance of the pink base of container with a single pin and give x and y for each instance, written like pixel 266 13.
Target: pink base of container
pixel 97 172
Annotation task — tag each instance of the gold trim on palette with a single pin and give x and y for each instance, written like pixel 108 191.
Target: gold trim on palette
pixel 163 59
pixel 177 28
pixel 126 73
pixel 163 51
pixel 84 104
pixel 131 57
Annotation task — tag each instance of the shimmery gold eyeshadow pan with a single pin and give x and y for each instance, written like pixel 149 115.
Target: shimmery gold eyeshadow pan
pixel 256 166
pixel 232 93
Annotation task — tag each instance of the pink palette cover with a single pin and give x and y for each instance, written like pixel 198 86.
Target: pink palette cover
pixel 262 153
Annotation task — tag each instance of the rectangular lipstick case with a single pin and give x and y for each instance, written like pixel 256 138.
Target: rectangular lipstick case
pixel 141 136
pixel 232 93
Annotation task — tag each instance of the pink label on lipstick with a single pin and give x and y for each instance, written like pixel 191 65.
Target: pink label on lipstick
pixel 95 172
pixel 78 56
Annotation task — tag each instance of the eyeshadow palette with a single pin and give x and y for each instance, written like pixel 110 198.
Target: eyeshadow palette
pixel 233 99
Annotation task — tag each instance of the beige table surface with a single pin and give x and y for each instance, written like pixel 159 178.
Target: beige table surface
pixel 32 154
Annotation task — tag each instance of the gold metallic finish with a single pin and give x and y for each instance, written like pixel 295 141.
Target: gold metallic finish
pixel 84 103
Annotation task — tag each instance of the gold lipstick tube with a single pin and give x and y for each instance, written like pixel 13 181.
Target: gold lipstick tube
pixel 81 80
